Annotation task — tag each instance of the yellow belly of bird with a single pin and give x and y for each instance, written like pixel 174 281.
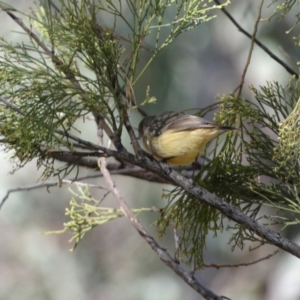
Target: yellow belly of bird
pixel 180 148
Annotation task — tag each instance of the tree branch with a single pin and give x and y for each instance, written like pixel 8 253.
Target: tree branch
pixel 241 264
pixel 125 169
pixel 257 42
pixel 229 210
pixel 240 87
pixel 49 184
pixel 161 252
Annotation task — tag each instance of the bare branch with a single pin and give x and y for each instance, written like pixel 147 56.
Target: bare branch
pixel 257 42
pixel 70 153
pixel 124 168
pixel 240 87
pixel 161 252
pixel 241 264
pixel 48 185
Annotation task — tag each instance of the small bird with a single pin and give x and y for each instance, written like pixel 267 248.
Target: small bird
pixel 177 137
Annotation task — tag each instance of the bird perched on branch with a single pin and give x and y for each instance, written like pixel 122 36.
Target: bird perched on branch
pixel 177 137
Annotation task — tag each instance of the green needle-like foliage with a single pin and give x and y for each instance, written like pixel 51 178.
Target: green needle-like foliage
pixel 255 166
pixel 283 9
pixel 73 62
pixel 85 213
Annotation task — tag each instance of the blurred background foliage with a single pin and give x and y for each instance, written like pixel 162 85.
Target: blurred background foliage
pixel 200 66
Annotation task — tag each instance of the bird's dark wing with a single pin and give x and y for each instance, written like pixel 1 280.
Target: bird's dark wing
pixel 185 122
pixel 179 121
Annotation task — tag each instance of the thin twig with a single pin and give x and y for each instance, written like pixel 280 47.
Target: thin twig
pixel 241 264
pixel 257 42
pixel 89 185
pixel 48 185
pixel 240 87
